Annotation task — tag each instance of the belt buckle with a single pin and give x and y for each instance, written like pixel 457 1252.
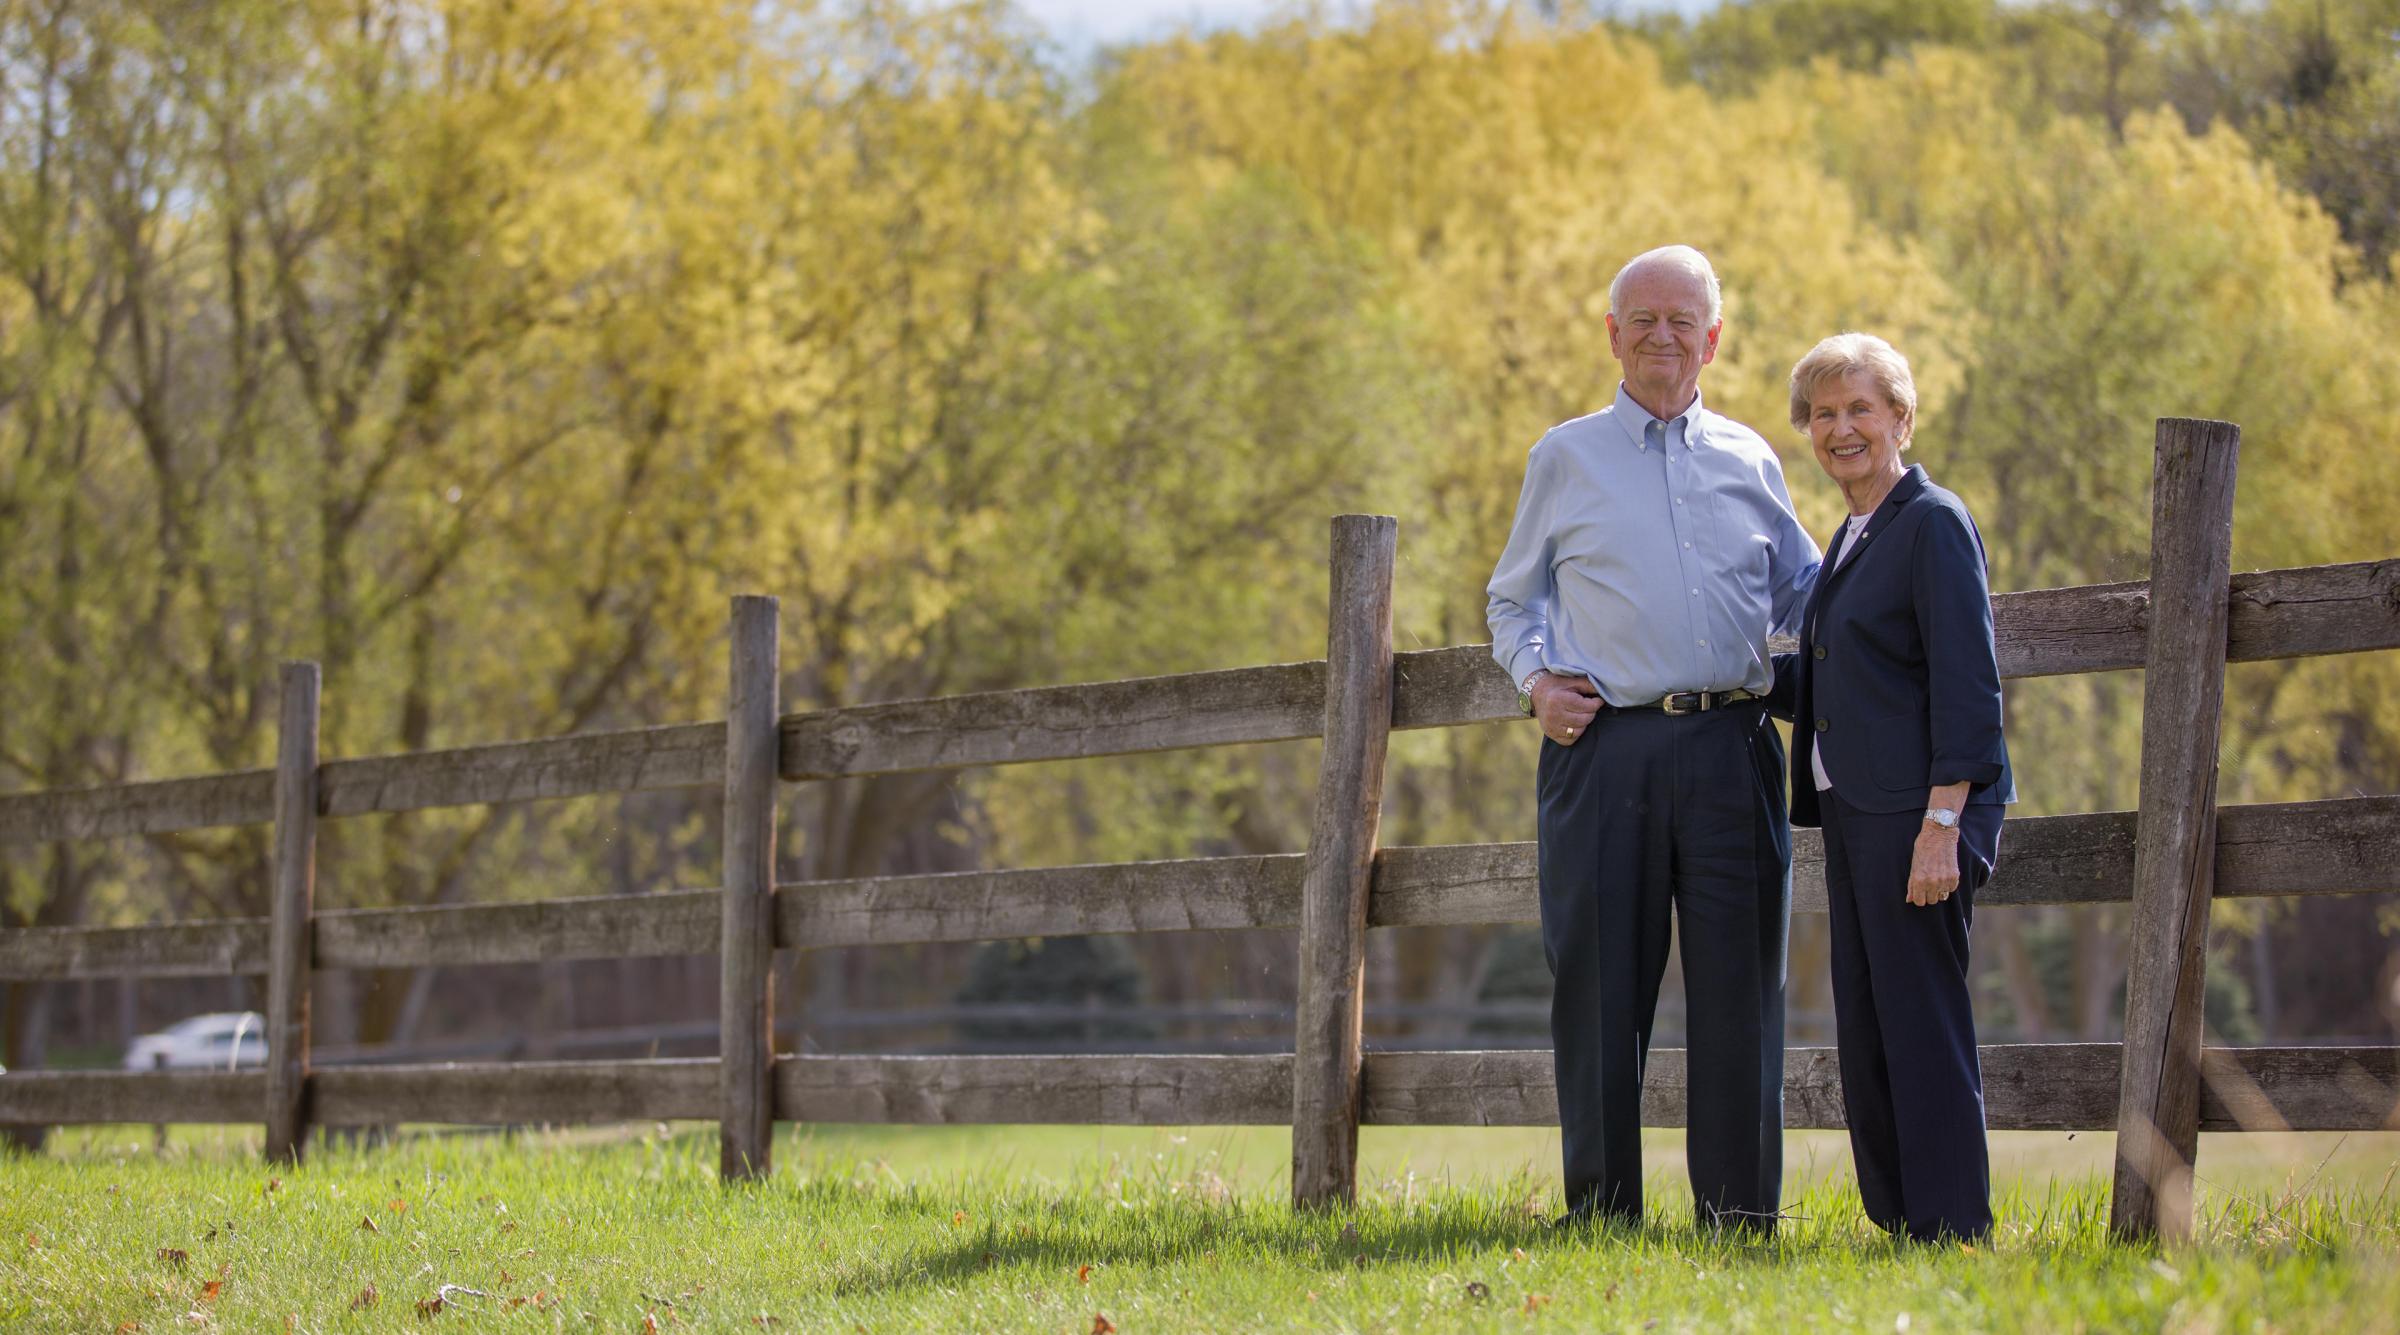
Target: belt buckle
pixel 1667 703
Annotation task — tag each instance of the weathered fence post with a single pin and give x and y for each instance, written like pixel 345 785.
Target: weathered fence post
pixel 746 1009
pixel 2175 847
pixel 158 1130
pixel 288 946
pixel 1341 861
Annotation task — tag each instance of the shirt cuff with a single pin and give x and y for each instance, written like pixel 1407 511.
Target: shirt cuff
pixel 1526 662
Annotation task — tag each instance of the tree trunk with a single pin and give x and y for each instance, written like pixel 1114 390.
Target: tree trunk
pixel 2024 985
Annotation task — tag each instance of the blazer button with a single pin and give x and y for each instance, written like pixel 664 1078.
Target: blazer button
pixel 1820 651
pixel 1822 725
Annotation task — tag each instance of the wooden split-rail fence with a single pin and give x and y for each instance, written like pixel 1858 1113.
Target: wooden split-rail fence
pixel 2157 1089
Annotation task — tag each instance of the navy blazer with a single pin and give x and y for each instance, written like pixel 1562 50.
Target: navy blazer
pixel 1896 675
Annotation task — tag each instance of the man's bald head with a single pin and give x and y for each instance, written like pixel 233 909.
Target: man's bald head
pixel 1671 260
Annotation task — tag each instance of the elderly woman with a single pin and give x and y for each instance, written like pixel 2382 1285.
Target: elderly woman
pixel 1897 753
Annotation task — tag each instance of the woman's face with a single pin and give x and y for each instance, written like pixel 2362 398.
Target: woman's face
pixel 1857 432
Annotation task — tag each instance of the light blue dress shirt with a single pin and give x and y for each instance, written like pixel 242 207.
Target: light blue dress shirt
pixel 1650 556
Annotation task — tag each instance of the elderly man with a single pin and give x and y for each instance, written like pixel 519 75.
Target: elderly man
pixel 1654 550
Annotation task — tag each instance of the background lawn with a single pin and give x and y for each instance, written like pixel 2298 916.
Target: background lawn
pixel 1083 1229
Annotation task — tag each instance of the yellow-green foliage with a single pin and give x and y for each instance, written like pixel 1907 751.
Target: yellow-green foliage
pixel 482 350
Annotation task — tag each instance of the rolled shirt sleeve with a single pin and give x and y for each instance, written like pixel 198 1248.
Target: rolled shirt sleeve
pixel 1517 605
pixel 1793 564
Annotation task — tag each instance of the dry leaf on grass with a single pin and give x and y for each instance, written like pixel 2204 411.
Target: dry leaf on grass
pixel 174 1256
pixel 366 1224
pixel 1478 1290
pixel 366 1298
pixel 1101 1325
pixel 210 1290
pixel 1535 1302
pixel 428 1308
pixel 1083 1274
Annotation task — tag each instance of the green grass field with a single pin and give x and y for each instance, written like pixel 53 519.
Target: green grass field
pixel 1090 1229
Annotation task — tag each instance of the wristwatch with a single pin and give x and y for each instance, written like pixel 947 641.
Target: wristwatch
pixel 1525 691
pixel 1942 816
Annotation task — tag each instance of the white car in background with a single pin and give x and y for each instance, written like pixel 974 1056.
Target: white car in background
pixel 226 1040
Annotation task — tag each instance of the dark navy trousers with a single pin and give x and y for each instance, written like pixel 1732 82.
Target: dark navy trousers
pixel 1644 815
pixel 1911 1083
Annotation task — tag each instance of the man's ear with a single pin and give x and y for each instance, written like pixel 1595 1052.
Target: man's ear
pixel 1613 349
pixel 1708 350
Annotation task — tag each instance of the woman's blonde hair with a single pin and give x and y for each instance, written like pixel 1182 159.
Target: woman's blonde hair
pixel 1841 354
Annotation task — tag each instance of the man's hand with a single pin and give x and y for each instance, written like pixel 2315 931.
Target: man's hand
pixel 1933 870
pixel 1564 706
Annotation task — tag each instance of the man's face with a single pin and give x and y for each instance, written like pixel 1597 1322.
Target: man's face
pixel 1661 335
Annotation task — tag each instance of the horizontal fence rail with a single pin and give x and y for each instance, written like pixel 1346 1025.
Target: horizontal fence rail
pixel 2027 1087
pixel 2294 613
pixel 1326 1086
pixel 2336 846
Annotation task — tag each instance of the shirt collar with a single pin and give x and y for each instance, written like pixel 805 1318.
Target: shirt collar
pixel 1637 419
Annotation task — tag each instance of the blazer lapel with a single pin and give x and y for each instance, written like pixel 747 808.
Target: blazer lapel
pixel 1903 491
pixel 1816 596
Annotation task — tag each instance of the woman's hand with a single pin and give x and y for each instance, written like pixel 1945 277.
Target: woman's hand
pixel 1933 871
pixel 1933 868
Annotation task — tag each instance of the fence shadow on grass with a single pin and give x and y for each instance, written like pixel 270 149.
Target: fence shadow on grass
pixel 1472 1230
pixel 1064 1233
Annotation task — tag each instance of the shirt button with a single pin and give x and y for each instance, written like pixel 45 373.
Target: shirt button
pixel 1695 593
pixel 1679 500
pixel 1687 546
pixel 1703 644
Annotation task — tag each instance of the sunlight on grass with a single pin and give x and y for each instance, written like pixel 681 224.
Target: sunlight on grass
pixel 1047 1228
